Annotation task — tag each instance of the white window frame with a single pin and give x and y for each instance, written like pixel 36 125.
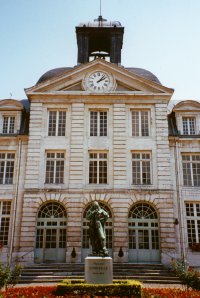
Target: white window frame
pixel 191 167
pixel 8 124
pixel 138 132
pixel 98 159
pixel 5 216
pixel 55 132
pixel 54 167
pixel 189 125
pixel 101 125
pixel 6 164
pixel 193 222
pixel 141 161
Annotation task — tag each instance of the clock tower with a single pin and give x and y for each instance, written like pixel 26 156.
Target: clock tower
pixel 99 39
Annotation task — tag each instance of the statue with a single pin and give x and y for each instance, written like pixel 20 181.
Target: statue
pixel 97 217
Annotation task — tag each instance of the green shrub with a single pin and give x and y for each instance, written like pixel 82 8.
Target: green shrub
pixel 128 288
pixel 9 276
pixel 4 275
pixel 187 275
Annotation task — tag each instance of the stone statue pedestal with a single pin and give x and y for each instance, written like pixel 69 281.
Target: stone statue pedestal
pixel 98 270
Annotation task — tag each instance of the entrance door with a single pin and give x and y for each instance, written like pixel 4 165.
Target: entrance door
pixel 143 234
pixel 51 234
pixel 86 248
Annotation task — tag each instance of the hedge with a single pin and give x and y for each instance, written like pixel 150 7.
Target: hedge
pixel 122 288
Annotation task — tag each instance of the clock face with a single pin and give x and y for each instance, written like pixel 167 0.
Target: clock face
pixel 99 81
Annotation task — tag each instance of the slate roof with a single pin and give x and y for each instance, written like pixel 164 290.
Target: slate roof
pixel 59 71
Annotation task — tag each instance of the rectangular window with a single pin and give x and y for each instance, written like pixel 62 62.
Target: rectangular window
pixel 5 210
pixel 8 124
pixel 98 123
pixel 140 123
pixel 55 162
pixel 98 168
pixel 141 168
pixel 7 162
pixel 188 125
pixel 193 223
pixel 191 169
pixel 57 123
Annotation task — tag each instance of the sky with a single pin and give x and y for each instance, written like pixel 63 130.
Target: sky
pixel 162 36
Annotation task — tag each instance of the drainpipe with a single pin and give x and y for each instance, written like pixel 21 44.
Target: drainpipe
pixel 15 202
pixel 180 210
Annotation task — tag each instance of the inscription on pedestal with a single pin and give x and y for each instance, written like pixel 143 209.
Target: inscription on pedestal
pixel 98 270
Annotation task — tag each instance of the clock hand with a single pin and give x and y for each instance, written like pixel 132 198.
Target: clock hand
pixel 101 79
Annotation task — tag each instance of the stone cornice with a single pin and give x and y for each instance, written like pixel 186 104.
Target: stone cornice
pixel 86 97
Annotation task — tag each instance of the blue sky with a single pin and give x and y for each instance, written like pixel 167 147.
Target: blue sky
pixel 162 36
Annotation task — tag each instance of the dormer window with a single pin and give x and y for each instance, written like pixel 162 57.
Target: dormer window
pixel 8 124
pixel 189 125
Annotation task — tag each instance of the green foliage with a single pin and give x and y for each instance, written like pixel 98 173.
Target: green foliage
pixel 4 275
pixel 187 275
pixel 9 276
pixel 128 288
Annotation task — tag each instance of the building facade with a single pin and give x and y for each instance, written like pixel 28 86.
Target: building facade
pixel 99 131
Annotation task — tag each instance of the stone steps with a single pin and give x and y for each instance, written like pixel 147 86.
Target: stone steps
pixel 147 273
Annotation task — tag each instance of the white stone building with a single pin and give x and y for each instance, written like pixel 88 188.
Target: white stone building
pixel 99 131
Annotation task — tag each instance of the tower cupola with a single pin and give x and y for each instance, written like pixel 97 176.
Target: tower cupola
pixel 99 39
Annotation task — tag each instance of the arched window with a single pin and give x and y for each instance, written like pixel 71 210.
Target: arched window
pixel 143 233
pixel 51 234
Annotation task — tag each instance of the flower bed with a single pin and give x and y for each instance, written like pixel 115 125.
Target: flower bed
pixel 47 292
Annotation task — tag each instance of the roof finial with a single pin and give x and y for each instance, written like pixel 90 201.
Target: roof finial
pixel 100 7
pixel 100 18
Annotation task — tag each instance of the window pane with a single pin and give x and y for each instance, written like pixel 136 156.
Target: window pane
pixel 141 168
pixel 51 238
pixel 5 208
pixel 55 167
pixel 185 126
pixel 61 123
pixel 98 168
pixel 39 238
pixel 146 179
pixel 52 123
pixel 103 123
pixel 136 172
pixel 189 209
pixel 135 123
pixel 132 239
pixel 188 125
pixel 102 172
pixel 9 172
pixel 191 232
pixel 5 124
pixel 59 171
pixel 155 239
pixel 93 123
pixel 143 239
pixel 2 169
pixel 196 173
pixel 93 172
pixel 7 168
pixel 49 171
pixel 192 126
pixel 62 238
pixel 12 125
pixel 187 175
pixel 144 123
pixel 193 223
